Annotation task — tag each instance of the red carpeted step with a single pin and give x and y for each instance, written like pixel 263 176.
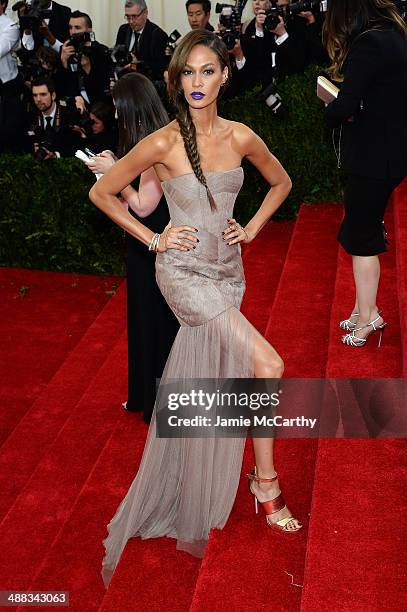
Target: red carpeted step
pixel 157 561
pixel 263 273
pixel 400 213
pixel 247 566
pixel 36 431
pixel 358 523
pixel 75 557
pixel 43 316
pixel 45 503
pixel 369 361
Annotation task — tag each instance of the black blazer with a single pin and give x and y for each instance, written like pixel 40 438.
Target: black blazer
pixel 58 25
pixel 152 45
pixel 374 93
pixel 290 55
pixel 59 21
pixel 63 138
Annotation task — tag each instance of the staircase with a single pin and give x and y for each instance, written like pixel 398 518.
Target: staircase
pixel 69 452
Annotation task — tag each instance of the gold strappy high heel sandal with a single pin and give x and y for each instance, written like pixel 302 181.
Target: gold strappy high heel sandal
pixel 288 524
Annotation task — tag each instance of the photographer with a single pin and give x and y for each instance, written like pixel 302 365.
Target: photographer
pixel 10 87
pixel 42 22
pixel 229 30
pixel 102 134
pixel 276 48
pixel 145 40
pixel 51 130
pixel 86 62
pixel 49 65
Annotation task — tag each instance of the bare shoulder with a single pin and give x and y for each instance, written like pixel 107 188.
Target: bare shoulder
pixel 243 137
pixel 164 138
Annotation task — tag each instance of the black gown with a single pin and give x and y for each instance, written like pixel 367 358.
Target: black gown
pixel 152 326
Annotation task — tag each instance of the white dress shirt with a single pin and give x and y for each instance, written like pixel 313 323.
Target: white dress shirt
pixel 279 41
pixel 9 42
pixel 28 39
pixel 51 114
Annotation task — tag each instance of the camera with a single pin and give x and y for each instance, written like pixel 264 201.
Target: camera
pixel 230 19
pixel 315 6
pixel 43 147
pixel 80 43
pixel 276 11
pixel 121 56
pixel 273 15
pixel 273 100
pixel 44 141
pixel 30 67
pixel 73 116
pixel 35 13
pixel 172 39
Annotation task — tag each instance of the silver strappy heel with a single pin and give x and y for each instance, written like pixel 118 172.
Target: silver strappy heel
pixel 353 340
pixel 347 324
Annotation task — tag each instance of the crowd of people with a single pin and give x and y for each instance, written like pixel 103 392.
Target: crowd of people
pixel 56 78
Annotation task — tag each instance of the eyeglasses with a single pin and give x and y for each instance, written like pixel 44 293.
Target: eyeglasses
pixel 134 17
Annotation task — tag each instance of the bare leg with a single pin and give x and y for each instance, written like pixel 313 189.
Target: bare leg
pixel 366 272
pixel 267 364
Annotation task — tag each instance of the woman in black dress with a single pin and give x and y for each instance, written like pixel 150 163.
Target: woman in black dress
pixel 152 326
pixel 367 43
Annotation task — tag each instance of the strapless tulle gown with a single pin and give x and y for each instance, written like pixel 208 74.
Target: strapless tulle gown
pixel 186 486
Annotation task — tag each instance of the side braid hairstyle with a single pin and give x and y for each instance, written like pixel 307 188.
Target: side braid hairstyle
pixel 183 115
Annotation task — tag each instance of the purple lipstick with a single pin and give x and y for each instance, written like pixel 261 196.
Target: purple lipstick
pixel 197 95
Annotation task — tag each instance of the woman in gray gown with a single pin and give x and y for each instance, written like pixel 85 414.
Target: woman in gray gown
pixel 186 486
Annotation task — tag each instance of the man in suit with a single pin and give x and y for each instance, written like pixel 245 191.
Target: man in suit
pixel 50 129
pixel 53 30
pixel 144 39
pixel 274 53
pixel 87 67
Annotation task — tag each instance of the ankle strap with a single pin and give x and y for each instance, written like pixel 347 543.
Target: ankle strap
pixel 253 476
pixel 370 324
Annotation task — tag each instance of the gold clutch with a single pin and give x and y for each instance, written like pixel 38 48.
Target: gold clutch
pixel 326 91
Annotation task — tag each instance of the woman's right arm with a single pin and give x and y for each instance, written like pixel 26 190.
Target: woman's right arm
pixel 103 194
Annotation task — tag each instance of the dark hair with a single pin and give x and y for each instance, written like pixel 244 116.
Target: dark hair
pixel 140 111
pixel 183 115
pixel 206 5
pixel 50 56
pixel 346 19
pixel 85 16
pixel 40 81
pixel 103 111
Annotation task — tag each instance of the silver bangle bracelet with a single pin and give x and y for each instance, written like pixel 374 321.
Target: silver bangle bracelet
pixel 153 246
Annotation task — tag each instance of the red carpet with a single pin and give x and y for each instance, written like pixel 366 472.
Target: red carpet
pixel 353 554
pixel 67 304
pixel 71 451
pixel 272 556
pixel 400 213
pixel 22 451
